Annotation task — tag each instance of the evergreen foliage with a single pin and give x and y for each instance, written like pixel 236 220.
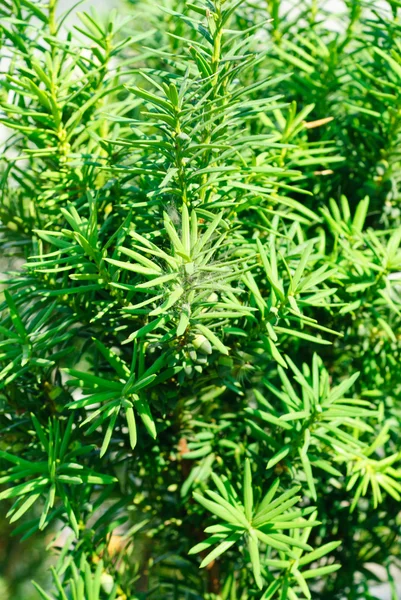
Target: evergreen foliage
pixel 200 335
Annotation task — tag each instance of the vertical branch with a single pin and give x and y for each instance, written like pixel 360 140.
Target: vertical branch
pixel 52 17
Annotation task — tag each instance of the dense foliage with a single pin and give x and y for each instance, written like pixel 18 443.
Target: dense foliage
pixel 200 336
